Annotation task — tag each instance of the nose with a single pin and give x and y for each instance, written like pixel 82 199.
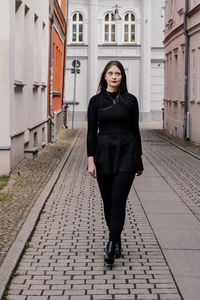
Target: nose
pixel 114 76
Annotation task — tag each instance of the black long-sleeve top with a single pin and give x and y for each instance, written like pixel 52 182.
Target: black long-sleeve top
pixel 113 136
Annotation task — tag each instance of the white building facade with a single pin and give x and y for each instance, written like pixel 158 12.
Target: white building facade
pixel 24 40
pixel 136 40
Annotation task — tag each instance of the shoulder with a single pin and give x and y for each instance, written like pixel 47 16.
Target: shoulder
pixel 130 98
pixel 98 101
pixel 94 100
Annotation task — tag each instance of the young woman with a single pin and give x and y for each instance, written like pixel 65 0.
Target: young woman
pixel 114 149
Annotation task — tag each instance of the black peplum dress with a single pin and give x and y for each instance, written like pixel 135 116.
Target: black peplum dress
pixel 113 136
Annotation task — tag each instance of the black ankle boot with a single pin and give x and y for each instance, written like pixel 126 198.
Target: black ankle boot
pixel 118 248
pixel 110 252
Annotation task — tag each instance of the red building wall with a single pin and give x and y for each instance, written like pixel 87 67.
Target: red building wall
pixel 58 55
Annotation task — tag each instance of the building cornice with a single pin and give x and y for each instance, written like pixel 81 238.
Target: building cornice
pixel 117 45
pixel 173 32
pixel 60 12
pixel 5 148
pixel 59 29
pixel 194 29
pixel 194 10
pixel 17 134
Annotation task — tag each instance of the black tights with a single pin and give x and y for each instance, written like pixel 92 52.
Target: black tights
pixel 114 189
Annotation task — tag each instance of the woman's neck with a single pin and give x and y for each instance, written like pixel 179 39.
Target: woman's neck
pixel 112 90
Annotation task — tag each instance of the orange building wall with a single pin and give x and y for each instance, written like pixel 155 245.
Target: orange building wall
pixel 58 61
pixel 58 58
pixel 63 7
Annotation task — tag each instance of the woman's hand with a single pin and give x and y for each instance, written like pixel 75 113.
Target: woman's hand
pixel 91 167
pixel 138 173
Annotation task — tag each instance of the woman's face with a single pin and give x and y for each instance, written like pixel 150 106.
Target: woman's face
pixel 113 77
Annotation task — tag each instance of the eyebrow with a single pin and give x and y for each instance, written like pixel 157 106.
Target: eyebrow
pixel 114 72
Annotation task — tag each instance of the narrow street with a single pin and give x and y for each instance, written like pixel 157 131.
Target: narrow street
pixel 161 237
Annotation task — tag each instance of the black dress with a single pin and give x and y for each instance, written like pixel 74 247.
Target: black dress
pixel 113 136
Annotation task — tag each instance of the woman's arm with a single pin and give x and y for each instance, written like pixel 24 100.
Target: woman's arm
pixel 92 136
pixel 136 131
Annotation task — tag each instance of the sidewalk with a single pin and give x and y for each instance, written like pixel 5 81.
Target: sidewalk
pixel 64 259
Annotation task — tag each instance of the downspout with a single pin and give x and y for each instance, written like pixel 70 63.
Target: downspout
pixel 186 112
pixel 51 73
pixel 65 57
pixel 64 105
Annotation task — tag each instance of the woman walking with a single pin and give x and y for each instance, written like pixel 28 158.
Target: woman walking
pixel 114 149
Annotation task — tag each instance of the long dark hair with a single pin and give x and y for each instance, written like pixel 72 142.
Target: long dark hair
pixel 103 84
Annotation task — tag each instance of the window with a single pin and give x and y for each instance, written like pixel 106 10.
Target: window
pixel 198 76
pixel 193 77
pixel 77 28
pixel 109 28
pixel 129 28
pixel 176 79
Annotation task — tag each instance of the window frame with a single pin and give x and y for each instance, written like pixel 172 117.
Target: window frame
pixel 77 23
pixel 129 23
pixel 109 23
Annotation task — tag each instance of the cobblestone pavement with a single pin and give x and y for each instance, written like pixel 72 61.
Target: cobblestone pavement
pixel 65 259
pixel 26 183
pixel 186 145
pixel 180 169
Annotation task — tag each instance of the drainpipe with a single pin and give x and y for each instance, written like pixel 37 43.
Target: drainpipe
pixel 186 112
pixel 51 74
pixel 65 63
pixel 64 105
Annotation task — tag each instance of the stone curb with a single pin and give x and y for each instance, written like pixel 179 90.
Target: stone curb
pixel 15 252
pixel 173 143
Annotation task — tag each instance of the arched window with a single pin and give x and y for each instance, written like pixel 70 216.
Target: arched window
pixel 77 28
pixel 129 28
pixel 109 28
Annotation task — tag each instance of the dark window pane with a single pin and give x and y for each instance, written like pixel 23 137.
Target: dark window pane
pixel 74 28
pixel 80 17
pixel 126 37
pixel 74 37
pixel 107 17
pixel 80 28
pixel 106 28
pixel 126 28
pixel 132 28
pixel 74 17
pixel 80 37
pixel 132 17
pixel 113 28
pixel 132 37
pixel 126 17
pixel 113 37
pixel 106 37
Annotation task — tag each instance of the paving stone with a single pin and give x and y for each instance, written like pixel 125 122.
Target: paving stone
pixel 80 298
pixel 59 297
pixel 15 297
pixel 37 298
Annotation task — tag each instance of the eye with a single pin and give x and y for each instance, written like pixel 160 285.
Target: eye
pixel 110 73
pixel 118 74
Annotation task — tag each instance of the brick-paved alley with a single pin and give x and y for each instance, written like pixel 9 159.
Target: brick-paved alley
pixel 65 258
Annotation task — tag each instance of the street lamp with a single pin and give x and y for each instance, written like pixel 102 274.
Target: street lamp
pixel 116 16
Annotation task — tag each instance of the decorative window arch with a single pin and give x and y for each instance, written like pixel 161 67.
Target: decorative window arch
pixel 109 28
pixel 77 27
pixel 129 28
